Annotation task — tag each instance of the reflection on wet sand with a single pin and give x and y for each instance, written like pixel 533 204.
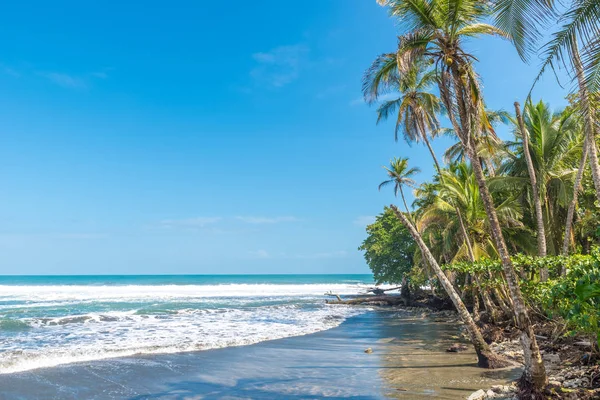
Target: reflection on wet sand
pixel 422 369
pixel 408 361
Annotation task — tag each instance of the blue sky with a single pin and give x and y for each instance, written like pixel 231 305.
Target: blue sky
pixel 201 137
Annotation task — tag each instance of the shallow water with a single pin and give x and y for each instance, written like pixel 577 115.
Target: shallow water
pixel 408 362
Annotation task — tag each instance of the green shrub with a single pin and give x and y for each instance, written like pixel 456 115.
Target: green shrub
pixel 574 297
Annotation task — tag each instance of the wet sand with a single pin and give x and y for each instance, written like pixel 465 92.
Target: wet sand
pixel 408 362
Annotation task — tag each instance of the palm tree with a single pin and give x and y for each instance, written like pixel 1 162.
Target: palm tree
pixel 554 150
pixel 435 31
pixel 486 358
pixel 489 145
pixel 400 175
pixel 576 189
pixel 415 107
pixel 541 232
pixel 578 23
pixel 458 186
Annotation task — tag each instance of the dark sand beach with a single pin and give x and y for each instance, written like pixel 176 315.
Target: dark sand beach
pixel 408 362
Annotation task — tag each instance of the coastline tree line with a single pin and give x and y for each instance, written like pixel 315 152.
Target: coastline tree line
pixel 505 228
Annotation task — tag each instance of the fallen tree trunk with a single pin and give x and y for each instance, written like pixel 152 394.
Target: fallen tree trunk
pixel 378 291
pixel 383 299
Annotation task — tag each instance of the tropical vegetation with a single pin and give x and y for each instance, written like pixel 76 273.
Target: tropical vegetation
pixel 514 222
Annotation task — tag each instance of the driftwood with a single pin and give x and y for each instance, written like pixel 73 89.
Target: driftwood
pixel 334 294
pixel 378 300
pixel 378 291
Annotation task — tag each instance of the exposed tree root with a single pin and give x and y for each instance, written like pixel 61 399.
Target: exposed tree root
pixel 491 360
pixel 526 390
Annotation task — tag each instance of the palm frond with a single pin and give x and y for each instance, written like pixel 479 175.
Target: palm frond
pixel 524 20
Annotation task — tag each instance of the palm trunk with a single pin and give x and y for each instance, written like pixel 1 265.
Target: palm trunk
pixel 404 201
pixel 573 204
pixel 502 303
pixel 589 117
pixel 475 295
pixel 490 166
pixel 535 372
pixel 465 234
pixel 486 358
pixel 541 232
pixel 487 301
pixel 435 160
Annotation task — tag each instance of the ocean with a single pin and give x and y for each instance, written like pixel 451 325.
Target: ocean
pixel 52 320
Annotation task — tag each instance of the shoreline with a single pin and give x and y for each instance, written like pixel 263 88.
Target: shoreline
pixel 408 360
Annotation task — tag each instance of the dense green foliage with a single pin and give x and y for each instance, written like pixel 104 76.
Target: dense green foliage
pixel 389 248
pixel 574 296
pixel 514 222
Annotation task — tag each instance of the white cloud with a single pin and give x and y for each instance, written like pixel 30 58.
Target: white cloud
pixel 260 254
pixel 190 223
pixel 65 80
pixel 74 81
pixel 364 220
pixel 266 220
pixel 280 65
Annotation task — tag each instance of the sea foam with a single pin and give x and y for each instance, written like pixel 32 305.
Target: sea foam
pixel 49 325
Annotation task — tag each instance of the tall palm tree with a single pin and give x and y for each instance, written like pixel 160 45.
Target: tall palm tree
pixel 576 189
pixel 539 216
pixel 400 175
pixel 575 23
pixel 417 108
pixel 555 143
pixel 434 32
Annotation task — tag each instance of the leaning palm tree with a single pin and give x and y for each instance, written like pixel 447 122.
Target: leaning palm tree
pixel 486 358
pixel 400 175
pixel 458 186
pixel 434 32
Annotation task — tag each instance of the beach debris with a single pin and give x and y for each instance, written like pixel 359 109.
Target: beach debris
pixel 371 300
pixel 478 395
pixel 369 350
pixel 379 291
pixel 583 343
pixel 457 347
pixel 333 294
